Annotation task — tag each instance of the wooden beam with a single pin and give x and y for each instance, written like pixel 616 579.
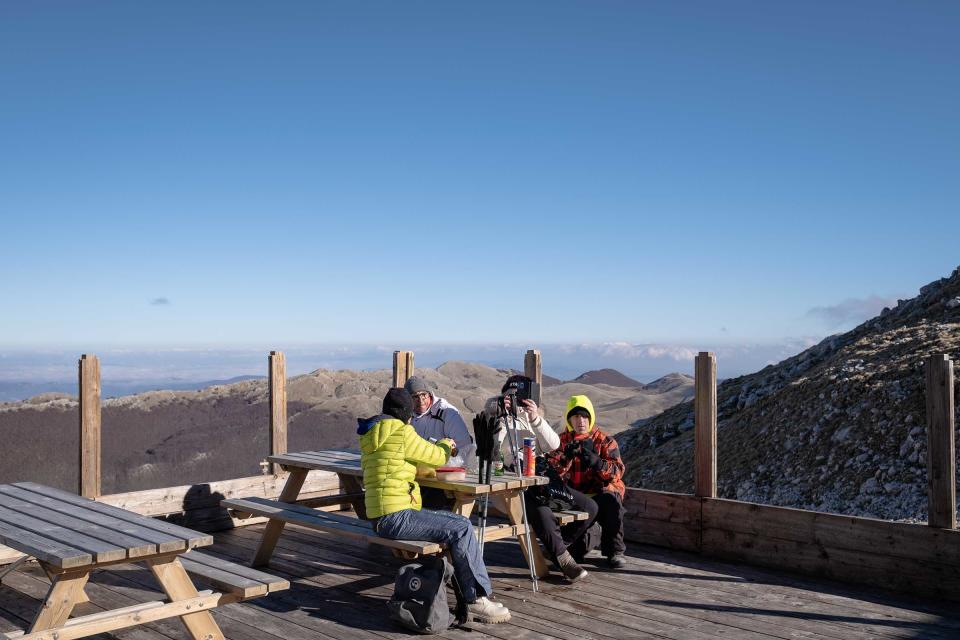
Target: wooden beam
pixel 941 449
pixel 89 374
pixel 175 500
pixel 402 367
pixel 705 425
pixel 278 405
pixel 532 369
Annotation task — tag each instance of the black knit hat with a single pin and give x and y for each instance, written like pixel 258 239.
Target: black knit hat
pixel 578 411
pixel 399 404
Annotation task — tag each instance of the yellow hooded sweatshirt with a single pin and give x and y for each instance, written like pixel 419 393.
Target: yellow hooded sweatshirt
pixel 390 452
pixel 582 402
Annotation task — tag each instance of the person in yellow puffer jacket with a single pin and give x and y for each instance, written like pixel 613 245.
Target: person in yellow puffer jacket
pixel 390 451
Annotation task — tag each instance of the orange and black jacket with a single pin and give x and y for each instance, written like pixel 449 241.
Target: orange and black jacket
pixel 607 475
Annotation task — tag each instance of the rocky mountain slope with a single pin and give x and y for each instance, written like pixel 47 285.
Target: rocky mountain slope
pixel 839 427
pixel 165 438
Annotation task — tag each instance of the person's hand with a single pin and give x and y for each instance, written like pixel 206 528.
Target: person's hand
pixel 589 454
pixel 530 407
pixel 449 446
pixel 572 450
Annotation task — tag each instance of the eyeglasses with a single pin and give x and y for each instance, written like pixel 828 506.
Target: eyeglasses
pixel 421 395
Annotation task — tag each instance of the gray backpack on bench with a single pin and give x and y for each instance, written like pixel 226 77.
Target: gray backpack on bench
pixel 419 600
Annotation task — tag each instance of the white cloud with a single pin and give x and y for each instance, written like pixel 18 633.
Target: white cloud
pixel 851 310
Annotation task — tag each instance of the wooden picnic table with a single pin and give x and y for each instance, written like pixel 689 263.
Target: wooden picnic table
pixel 505 494
pixel 71 536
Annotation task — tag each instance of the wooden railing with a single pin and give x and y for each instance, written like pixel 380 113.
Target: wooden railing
pixel 920 559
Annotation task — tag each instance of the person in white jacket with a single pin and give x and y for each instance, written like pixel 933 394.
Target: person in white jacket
pixel 436 418
pixel 530 424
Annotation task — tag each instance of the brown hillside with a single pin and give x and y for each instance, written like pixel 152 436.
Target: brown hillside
pixel 166 438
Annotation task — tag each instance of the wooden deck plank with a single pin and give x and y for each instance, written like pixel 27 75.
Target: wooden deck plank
pixel 828 624
pixel 585 614
pixel 610 624
pixel 360 587
pixel 338 590
pixel 833 596
pixel 33 586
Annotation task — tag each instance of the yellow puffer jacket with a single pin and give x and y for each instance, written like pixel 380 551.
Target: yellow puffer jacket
pixel 390 452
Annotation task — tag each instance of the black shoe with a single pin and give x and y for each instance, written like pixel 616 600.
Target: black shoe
pixel 569 567
pixel 617 561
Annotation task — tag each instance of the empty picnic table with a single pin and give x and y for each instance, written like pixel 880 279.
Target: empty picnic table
pixel 505 494
pixel 71 536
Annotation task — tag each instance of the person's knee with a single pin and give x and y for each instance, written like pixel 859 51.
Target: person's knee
pixel 461 527
pixel 608 502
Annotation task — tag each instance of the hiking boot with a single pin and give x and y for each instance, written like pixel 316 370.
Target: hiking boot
pixel 617 561
pixel 487 611
pixel 569 567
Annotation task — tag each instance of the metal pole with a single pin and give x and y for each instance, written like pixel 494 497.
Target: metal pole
pixel 512 433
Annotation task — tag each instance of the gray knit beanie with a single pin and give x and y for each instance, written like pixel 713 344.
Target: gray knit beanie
pixel 415 385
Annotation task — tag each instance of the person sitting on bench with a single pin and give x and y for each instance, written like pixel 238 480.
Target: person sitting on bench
pixel 390 451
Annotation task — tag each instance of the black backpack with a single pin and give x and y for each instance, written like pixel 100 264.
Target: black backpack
pixel 419 600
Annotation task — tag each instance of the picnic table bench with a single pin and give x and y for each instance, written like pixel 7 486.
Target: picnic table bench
pixel 505 493
pixel 72 536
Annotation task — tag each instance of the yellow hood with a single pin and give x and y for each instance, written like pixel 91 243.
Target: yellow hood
pixel 584 403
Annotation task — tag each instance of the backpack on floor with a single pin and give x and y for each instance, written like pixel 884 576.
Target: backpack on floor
pixel 419 600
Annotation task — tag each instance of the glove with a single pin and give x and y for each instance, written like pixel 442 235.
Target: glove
pixel 572 450
pixel 589 456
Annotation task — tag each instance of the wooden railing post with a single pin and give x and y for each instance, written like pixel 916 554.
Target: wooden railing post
pixel 278 405
pixel 705 425
pixel 402 367
pixel 89 379
pixel 941 449
pixel 532 369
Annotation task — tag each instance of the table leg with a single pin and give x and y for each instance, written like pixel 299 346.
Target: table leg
pixel 352 484
pixel 509 503
pixel 66 590
pixel 271 533
pixel 463 503
pixel 177 585
pixel 82 597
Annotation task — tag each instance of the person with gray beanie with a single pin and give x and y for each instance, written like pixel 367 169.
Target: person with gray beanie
pixel 434 417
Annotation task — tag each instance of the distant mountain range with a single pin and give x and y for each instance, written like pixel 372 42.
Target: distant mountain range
pixel 164 438
pixel 13 391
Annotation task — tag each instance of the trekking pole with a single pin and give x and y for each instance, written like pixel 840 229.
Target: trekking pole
pixel 484 455
pixel 523 502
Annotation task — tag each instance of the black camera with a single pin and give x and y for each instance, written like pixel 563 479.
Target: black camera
pixel 522 387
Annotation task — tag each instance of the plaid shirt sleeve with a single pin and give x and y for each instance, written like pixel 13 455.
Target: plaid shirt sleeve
pixel 611 465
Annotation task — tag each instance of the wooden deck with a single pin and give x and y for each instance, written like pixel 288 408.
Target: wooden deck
pixel 338 590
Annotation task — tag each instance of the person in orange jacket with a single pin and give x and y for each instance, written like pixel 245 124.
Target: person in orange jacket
pixel 588 460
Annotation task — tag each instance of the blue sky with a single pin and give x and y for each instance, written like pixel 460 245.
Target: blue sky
pixel 698 173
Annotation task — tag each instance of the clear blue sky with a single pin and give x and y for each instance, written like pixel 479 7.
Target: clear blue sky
pixel 295 172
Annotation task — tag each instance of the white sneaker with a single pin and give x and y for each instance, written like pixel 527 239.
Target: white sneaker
pixel 487 611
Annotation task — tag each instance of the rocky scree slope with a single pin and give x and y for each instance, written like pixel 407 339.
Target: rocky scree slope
pixel 840 427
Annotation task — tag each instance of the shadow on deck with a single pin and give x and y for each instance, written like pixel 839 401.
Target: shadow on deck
pixel 338 590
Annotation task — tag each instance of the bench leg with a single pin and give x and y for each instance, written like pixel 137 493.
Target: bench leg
pixel 509 503
pixel 65 592
pixel 177 585
pixel 271 533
